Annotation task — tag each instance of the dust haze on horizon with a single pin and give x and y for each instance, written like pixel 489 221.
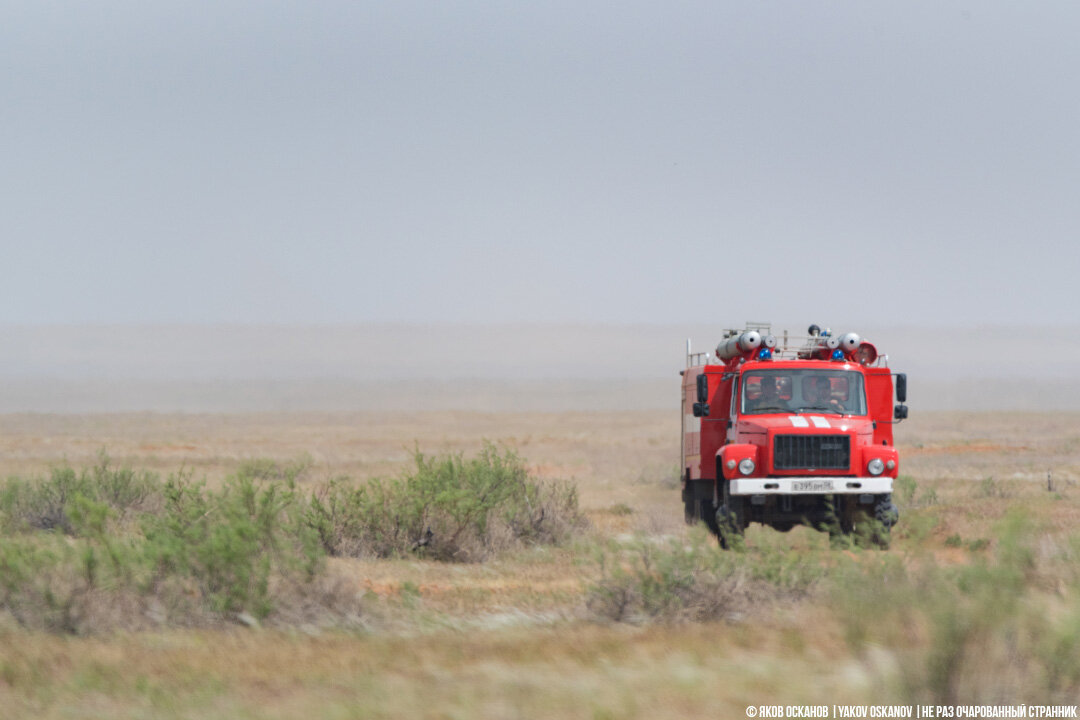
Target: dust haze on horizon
pixel 513 367
pixel 248 162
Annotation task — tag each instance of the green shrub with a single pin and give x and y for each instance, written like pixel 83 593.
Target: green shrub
pixel 990 487
pixel 670 582
pixel 231 542
pixel 202 555
pixel 265 469
pixel 109 547
pixel 45 504
pixel 447 507
pixel 50 582
pixel 904 490
pixel 124 489
pixel 906 495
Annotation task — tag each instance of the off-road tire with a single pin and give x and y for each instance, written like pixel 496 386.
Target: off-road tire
pixel 730 526
pixel 885 512
pixel 886 516
pixel 730 520
pixel 707 513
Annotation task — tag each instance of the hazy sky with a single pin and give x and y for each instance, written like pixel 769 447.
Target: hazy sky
pixel 904 162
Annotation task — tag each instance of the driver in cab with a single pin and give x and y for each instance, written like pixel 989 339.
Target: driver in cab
pixel 822 398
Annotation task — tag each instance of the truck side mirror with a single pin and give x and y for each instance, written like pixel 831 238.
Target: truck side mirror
pixel 701 409
pixel 901 387
pixel 900 412
pixel 702 388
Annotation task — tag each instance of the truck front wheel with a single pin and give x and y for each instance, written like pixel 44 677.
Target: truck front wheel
pixel 730 519
pixel 731 522
pixel 708 515
pixel 885 512
pixel 874 527
pixel 885 516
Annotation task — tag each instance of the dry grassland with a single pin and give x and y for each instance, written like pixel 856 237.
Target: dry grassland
pixel 511 637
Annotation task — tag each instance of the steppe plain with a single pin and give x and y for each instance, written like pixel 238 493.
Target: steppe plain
pixel 962 608
pixel 515 636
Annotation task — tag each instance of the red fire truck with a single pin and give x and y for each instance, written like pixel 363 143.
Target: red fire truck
pixel 788 431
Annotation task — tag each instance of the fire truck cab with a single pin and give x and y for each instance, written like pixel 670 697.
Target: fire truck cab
pixel 797 430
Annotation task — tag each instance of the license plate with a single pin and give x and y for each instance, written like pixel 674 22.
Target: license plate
pixel 812 486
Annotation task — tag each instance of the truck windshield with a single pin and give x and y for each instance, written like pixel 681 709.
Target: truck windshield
pixel 795 391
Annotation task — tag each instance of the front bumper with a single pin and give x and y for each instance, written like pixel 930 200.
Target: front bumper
pixel 811 485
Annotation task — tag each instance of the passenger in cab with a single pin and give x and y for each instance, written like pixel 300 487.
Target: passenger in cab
pixel 769 399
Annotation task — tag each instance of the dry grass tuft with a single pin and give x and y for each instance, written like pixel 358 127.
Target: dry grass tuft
pixel 693 580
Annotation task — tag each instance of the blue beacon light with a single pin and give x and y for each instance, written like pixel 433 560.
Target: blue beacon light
pixel 837 354
pixel 764 354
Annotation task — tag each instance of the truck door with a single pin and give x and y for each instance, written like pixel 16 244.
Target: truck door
pixel 879 399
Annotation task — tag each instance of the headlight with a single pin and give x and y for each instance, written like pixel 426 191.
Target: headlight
pixel 875 466
pixel 746 466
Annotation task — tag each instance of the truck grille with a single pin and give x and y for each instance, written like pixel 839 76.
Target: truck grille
pixel 819 452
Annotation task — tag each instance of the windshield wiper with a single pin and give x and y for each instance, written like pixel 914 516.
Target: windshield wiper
pixel 817 408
